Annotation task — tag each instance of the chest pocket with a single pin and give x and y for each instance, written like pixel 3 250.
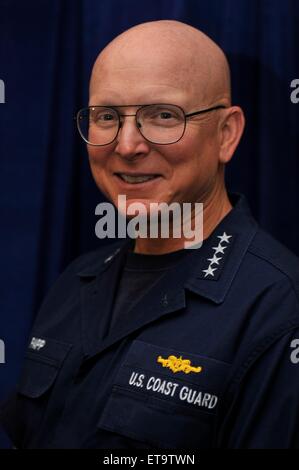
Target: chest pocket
pixel 165 398
pixel 43 361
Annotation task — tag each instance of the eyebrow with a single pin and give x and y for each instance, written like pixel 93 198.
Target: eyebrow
pixel 109 105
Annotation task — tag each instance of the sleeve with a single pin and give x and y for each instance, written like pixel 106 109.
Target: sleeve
pixel 64 289
pixel 5 442
pixel 263 412
pixel 10 423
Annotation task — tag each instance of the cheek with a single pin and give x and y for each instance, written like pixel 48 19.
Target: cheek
pixel 98 160
pixel 194 168
pixel 99 165
pixel 97 155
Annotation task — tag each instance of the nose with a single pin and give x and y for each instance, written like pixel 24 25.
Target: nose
pixel 130 142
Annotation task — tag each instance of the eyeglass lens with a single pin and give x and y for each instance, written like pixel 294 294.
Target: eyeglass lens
pixel 163 124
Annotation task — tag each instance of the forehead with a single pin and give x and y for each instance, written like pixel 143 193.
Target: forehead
pixel 125 78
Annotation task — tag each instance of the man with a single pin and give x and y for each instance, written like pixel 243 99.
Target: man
pixel 145 343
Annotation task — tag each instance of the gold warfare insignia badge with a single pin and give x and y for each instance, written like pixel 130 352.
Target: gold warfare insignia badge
pixel 178 364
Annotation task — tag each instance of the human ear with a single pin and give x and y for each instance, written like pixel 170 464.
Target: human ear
pixel 231 130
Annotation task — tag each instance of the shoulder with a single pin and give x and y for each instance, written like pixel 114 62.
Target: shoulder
pixel 274 260
pixel 266 290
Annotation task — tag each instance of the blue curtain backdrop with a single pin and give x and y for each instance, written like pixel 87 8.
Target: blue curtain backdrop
pixel 48 197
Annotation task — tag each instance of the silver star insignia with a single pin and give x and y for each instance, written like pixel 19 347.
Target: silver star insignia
pixel 224 237
pixel 209 271
pixel 219 249
pixel 214 260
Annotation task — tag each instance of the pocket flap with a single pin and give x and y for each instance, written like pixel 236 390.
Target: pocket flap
pixel 43 360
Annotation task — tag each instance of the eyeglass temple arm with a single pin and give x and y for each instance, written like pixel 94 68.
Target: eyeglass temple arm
pixel 221 106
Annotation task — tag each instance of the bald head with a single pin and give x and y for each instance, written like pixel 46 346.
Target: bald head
pixel 170 52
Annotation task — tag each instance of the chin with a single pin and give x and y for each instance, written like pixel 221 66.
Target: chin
pixel 135 206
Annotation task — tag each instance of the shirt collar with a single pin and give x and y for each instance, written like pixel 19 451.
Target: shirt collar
pixel 212 267
pixel 229 241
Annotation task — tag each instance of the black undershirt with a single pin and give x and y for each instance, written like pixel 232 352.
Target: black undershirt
pixel 139 274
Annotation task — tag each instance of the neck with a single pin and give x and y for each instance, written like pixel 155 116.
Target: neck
pixel 215 207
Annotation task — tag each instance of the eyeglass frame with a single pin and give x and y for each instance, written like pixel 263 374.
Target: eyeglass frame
pixel 194 113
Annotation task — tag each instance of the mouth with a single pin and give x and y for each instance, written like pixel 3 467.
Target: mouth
pixel 138 178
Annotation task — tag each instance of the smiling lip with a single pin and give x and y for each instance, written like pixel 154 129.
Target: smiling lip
pixel 136 178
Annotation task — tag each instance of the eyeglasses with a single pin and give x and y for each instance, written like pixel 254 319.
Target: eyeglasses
pixel 158 123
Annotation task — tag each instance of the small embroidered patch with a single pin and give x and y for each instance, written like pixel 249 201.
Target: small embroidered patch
pixel 178 364
pixel 37 343
pixel 216 261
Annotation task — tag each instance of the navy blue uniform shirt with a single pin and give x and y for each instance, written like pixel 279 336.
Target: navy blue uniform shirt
pixel 209 357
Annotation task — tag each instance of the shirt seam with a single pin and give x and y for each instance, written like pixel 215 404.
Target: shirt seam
pixel 257 352
pixel 278 268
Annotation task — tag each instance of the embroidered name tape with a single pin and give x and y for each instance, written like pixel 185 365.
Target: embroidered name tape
pixel 37 343
pixel 178 390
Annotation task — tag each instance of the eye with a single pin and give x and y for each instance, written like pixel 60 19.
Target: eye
pixel 166 115
pixel 161 115
pixel 104 117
